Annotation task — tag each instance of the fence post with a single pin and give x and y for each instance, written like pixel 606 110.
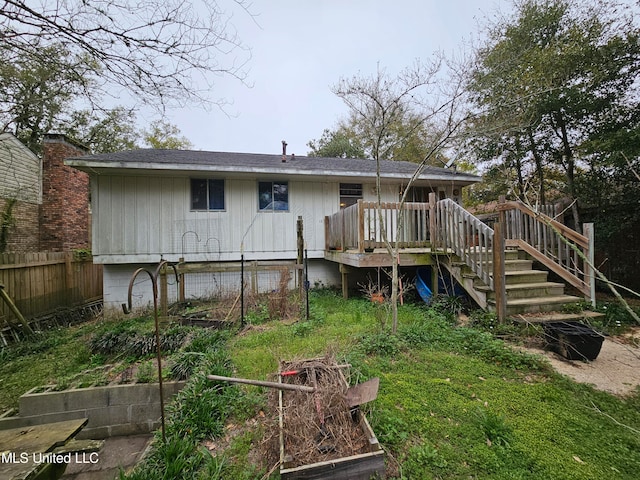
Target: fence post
pixel 498 271
pixel 68 277
pixel 300 259
pixel 590 274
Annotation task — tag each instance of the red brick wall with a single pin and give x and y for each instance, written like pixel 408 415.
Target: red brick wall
pixel 64 214
pixel 23 235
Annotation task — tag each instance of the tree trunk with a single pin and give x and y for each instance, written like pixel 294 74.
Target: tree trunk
pixel 539 170
pixel 394 294
pixel 569 165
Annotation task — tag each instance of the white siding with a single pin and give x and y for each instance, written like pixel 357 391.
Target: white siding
pixel 116 280
pixel 139 218
pixel 20 171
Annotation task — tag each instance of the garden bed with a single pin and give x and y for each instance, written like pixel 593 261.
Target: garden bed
pixel 320 436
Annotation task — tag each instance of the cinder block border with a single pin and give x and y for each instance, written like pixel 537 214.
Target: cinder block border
pixel 116 410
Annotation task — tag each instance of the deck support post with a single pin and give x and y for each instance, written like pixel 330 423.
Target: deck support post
pixel 434 279
pixel 344 273
pixel 498 271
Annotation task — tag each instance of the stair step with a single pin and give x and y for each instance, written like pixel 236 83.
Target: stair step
pixel 527 290
pixel 516 264
pixel 557 317
pixel 508 254
pixel 525 276
pixel 536 304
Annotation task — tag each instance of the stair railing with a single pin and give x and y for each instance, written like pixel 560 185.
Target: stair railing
pixel 465 235
pixel 559 248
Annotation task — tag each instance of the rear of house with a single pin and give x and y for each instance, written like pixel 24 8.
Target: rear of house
pixel 198 207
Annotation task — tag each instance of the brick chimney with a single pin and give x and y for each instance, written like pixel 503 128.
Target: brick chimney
pixel 64 213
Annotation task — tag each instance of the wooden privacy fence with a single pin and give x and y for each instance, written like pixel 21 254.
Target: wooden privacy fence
pixel 41 282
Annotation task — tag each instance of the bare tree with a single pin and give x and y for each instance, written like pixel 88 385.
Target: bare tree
pixel 161 51
pixel 414 98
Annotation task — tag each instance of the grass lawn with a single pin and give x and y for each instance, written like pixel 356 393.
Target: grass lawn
pixel 454 402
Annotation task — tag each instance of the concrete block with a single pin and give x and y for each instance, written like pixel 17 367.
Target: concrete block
pixel 39 403
pixel 111 415
pixel 94 397
pixel 120 408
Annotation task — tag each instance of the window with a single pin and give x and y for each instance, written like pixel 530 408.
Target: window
pixel 273 196
pixel 350 193
pixel 207 194
pixel 418 194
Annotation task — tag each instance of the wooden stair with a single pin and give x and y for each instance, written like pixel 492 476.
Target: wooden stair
pixel 527 289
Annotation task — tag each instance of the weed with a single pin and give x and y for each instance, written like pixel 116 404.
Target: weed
pixel 302 329
pixel 495 428
pixel 421 458
pixel 183 364
pixel 381 343
pixel 146 373
pixel 616 318
pixel 257 315
pixel 204 340
pixel 391 430
pixel 448 305
pixel 576 307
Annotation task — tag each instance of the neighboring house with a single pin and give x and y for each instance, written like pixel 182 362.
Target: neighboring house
pixel 20 196
pixel 201 206
pixel 44 204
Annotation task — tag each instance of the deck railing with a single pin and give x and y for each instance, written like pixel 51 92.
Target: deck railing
pixel 558 247
pixel 362 226
pixel 467 237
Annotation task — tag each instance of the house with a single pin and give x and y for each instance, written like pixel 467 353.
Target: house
pixel 199 207
pixel 44 204
pixel 20 195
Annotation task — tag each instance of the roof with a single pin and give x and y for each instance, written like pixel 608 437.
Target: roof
pixel 203 161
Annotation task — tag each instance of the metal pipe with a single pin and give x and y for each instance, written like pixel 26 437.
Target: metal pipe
pixel 127 309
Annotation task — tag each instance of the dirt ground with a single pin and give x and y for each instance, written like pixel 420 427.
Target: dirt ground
pixel 616 369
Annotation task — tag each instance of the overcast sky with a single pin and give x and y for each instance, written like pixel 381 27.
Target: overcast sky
pixel 300 48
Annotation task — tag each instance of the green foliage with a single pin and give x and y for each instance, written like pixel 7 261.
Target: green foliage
pixel 495 428
pixel 422 458
pixel 103 131
pixel 391 430
pixel 183 364
pixel 146 373
pixel 448 305
pixel 450 405
pixel 257 315
pixel 162 134
pixel 7 222
pixel 179 458
pixel 545 82
pixel 380 343
pixel 616 318
pixel 126 341
pixel 302 329
pixel 338 143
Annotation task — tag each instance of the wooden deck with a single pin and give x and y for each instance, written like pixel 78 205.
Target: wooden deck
pixel 361 235
pixel 379 257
